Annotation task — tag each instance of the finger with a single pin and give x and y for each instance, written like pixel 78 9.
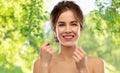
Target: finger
pixel 44 49
pixel 80 49
pixel 75 58
pixel 47 43
pixel 81 54
pixel 50 49
pixel 77 55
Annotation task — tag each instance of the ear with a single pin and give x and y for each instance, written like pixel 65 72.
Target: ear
pixel 55 36
pixel 54 32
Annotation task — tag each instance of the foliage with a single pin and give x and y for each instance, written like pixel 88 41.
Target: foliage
pixel 103 25
pixel 21 31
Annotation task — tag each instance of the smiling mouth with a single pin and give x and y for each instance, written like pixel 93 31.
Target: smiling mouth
pixel 68 37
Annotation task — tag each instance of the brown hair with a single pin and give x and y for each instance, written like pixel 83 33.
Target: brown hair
pixel 64 6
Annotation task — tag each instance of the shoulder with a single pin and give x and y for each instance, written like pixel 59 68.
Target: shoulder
pixel 95 60
pixel 37 62
pixel 97 64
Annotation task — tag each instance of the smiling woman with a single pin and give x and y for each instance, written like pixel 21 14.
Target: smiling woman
pixel 67 23
pixel 67 29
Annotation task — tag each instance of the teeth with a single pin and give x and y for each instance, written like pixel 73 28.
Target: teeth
pixel 68 36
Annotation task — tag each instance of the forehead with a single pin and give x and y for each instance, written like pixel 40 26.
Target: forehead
pixel 67 16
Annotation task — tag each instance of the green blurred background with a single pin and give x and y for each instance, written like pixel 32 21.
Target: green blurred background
pixel 22 31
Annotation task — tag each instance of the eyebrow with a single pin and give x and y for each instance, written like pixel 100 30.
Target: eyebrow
pixel 61 22
pixel 70 22
pixel 73 21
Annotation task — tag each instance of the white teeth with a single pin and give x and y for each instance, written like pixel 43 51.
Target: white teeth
pixel 68 37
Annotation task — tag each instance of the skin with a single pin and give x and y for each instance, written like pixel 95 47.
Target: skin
pixel 72 58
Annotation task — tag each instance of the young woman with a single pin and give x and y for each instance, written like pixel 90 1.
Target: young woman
pixel 67 24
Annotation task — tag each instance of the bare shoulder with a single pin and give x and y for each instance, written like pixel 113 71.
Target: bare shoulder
pixel 95 60
pixel 37 62
pixel 97 64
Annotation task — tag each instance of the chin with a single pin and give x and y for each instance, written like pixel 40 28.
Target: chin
pixel 68 44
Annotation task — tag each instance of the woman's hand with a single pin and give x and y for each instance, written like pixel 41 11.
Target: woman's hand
pixel 46 53
pixel 80 60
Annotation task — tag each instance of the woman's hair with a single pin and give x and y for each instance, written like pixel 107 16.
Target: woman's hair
pixel 64 6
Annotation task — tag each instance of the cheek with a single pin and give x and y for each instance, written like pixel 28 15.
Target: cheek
pixel 77 30
pixel 78 33
pixel 58 31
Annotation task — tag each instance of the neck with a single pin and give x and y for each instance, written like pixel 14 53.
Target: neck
pixel 67 51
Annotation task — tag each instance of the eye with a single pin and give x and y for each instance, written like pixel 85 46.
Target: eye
pixel 61 24
pixel 74 24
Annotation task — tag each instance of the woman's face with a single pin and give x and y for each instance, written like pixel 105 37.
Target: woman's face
pixel 67 29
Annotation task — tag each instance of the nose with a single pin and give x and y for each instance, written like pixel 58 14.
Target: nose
pixel 68 29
